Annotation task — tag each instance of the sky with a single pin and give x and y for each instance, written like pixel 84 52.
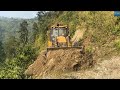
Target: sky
pixel 19 14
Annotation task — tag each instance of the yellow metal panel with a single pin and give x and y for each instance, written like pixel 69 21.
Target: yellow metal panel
pixel 49 44
pixel 61 39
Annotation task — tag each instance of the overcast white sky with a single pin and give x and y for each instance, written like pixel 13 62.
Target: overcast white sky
pixel 19 14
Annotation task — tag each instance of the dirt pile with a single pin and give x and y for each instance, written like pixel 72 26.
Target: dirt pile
pixel 36 68
pixel 58 60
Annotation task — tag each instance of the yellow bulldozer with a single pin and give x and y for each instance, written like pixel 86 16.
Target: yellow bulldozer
pixel 59 38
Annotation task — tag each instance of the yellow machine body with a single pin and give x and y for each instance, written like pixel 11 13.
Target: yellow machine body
pixel 58 37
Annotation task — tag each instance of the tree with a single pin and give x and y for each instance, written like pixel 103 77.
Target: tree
pixel 44 19
pixel 2 52
pixel 40 14
pixel 1 33
pixel 11 46
pixel 35 31
pixel 23 32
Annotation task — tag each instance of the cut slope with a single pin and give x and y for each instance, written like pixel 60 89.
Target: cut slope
pixel 78 35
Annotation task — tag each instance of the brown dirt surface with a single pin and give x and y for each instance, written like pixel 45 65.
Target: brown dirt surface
pixel 106 69
pixel 57 60
pixel 35 68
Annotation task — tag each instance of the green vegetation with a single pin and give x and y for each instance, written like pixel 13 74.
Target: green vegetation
pixel 2 53
pixel 17 52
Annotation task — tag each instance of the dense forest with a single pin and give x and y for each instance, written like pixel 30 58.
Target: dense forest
pixel 21 40
pixel 11 44
pixel 10 26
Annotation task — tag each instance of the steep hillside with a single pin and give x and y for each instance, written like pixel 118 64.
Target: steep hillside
pixel 100 28
pixel 100 31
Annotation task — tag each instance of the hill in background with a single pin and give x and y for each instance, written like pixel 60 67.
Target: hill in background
pixel 11 26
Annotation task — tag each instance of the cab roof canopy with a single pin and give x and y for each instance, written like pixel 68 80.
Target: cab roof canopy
pixel 59 25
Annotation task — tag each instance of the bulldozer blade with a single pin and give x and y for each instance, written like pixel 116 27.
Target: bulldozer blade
pixel 57 48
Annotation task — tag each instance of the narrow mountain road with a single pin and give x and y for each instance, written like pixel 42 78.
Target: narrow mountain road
pixel 107 69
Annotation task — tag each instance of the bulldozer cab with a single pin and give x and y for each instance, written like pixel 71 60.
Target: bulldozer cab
pixel 59 38
pixel 55 32
pixel 59 30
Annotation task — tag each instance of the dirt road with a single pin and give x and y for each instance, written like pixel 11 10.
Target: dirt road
pixel 107 69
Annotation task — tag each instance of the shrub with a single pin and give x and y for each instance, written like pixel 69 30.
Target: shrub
pixel 89 49
pixel 117 44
